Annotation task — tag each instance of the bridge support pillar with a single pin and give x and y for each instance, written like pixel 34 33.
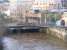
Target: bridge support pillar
pixel 44 30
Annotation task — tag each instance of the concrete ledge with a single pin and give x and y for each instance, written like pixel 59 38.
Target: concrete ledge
pixel 58 32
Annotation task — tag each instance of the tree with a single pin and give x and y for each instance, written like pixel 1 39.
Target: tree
pixel 2 15
pixel 54 16
pixel 3 21
pixel 2 18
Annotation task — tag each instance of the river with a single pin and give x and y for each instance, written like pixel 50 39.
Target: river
pixel 33 41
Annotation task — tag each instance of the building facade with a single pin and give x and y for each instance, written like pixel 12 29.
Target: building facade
pixel 47 4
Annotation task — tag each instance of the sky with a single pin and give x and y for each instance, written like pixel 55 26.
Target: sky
pixel 45 1
pixel 32 0
pixel 2 1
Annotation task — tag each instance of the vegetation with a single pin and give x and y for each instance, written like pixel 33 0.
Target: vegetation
pixel 2 18
pixel 53 17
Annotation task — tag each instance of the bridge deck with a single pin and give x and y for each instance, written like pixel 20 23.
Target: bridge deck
pixel 46 26
pixel 33 26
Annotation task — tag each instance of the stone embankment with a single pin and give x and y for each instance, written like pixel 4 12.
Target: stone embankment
pixel 58 32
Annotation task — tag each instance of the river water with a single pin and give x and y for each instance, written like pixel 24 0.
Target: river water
pixel 33 41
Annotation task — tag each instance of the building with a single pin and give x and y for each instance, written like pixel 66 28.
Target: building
pixel 64 3
pixel 4 8
pixel 33 18
pixel 18 8
pixel 4 5
pixel 12 8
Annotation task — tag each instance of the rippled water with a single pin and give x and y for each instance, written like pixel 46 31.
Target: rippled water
pixel 33 41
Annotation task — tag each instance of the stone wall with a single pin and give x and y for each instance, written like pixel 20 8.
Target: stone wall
pixel 2 29
pixel 58 32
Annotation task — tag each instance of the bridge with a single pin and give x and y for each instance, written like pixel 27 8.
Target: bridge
pixel 30 27
pixel 33 25
pixel 59 31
